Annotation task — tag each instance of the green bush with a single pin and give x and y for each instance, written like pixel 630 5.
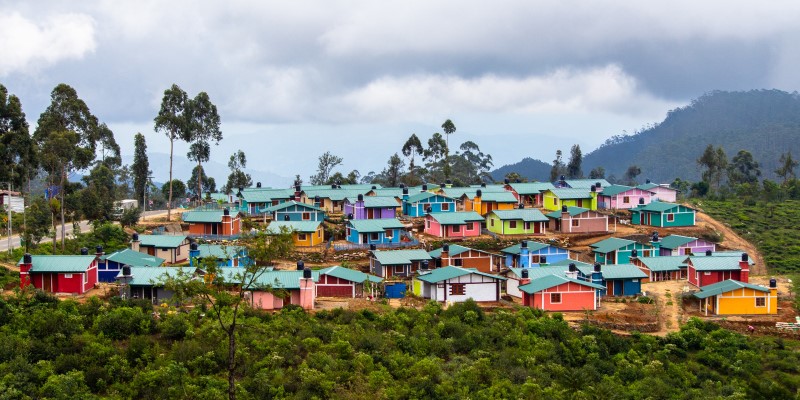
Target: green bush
pixel 174 326
pixel 122 322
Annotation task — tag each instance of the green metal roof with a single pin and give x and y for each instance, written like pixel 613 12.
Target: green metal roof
pixel 333 194
pixel 664 263
pixel 586 183
pixel 456 218
pixel 526 215
pixel 266 195
pixel 616 271
pixel 705 263
pixel 527 188
pixel 532 246
pixel 359 187
pixel 153 276
pixel 288 204
pixel 424 196
pixel 718 288
pixel 388 192
pixel 572 193
pixel 400 257
pixel 675 241
pixel 615 190
pixel 349 274
pixel 647 186
pixel 219 196
pixel 450 272
pixel 281 279
pixel 489 188
pixel 378 202
pixel 219 252
pixel 499 197
pixel 572 211
pixel 134 258
pixel 567 262
pixel 375 225
pixel 162 241
pixel 459 192
pixel 198 216
pixel 60 263
pixel 538 272
pixel 548 281
pixel 455 250
pixel 658 206
pixel 275 227
pixel 610 244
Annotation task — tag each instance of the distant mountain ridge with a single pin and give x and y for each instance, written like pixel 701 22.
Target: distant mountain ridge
pixel 763 122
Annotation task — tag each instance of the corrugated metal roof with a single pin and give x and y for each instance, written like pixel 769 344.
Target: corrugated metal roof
pixel 532 246
pixel 617 271
pixel 275 227
pixel 400 257
pixel 199 216
pixel 349 274
pixel 220 252
pixel 334 194
pixel 586 183
pixel 450 272
pixel 499 197
pixel 426 195
pixel 154 276
pixel 616 189
pixel 647 186
pixel 610 244
pixel 526 215
pixel 288 204
pixel 664 263
pixel 456 218
pixel 538 272
pixel 718 288
pixel 659 206
pixel 527 188
pixel 454 251
pixel 572 211
pixel 375 225
pixel 675 241
pixel 266 195
pixel 705 263
pixel 133 258
pixel 219 196
pixel 548 281
pixel 571 193
pixel 567 262
pixel 162 241
pixel 379 202
pixel 60 263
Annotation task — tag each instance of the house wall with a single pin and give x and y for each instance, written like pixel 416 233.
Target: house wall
pixel 698 247
pixel 470 229
pixel 65 282
pixel 588 222
pixel 296 212
pixel 623 254
pixel 552 253
pixel 171 256
pixel 266 301
pixel 512 288
pixel 623 287
pixel 476 287
pixel 553 203
pixel 436 203
pixel 331 286
pixel 705 278
pixel 574 297
pixel 433 228
pixel 682 217
pixel 617 201
pixel 311 238
pixel 500 227
pixel 356 237
pixel 743 301
pixel 483 262
pixel 664 194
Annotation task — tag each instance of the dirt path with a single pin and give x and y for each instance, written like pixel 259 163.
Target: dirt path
pixel 733 241
pixel 667 295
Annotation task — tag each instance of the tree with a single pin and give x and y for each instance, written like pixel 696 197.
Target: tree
pixel 225 289
pixel 478 164
pixel 412 148
pixel 109 149
pixel 351 178
pixel 715 163
pixel 631 173
pixel 37 223
pixel 515 177
pixel 176 187
pixel 199 174
pixel 204 128
pixel 130 217
pixel 327 162
pixel 743 169
pixel 174 119
pixel 97 199
pixel 574 170
pixel 237 178
pixel 449 129
pixel 140 167
pixel 393 171
pixel 558 168
pixel 597 173
pixel 17 149
pixel 435 155
pixel 787 167
pixel 67 134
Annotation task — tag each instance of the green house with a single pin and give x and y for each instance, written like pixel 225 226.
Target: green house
pixel 663 215
pixel 528 221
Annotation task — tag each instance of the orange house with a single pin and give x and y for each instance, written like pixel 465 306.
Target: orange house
pixel 305 233
pixel 219 223
pixel 484 203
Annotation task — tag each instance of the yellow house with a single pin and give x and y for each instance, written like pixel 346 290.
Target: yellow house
pixel 484 203
pixel 732 297
pixel 305 233
pixel 554 199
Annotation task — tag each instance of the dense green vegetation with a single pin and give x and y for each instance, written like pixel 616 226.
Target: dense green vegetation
pixel 66 350
pixel 772 227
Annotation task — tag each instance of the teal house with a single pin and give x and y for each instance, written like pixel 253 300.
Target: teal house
pixel 619 251
pixel 417 205
pixel 663 215
pixel 295 211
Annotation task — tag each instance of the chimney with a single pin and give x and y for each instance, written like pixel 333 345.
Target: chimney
pixel 773 283
pixel 307 290
pixel 24 271
pixel 98 251
pixel 593 189
pixel 360 197
pixel 374 187
pixel 598 185
pixel 84 251
pixel 524 280
pixel 372 247
pixel 292 197
pixel 634 253
pixel 194 253
pixel 506 181
pixel 135 242
pixel 566 220
pixel 655 241
pixel 572 272
pixel 405 194
pixel 425 265
pixel 316 201
pixel 542 261
pixel 524 255
pixel 521 206
pixel 258 185
pixel 300 265
pixel 226 213
pixel 709 253
pixel 483 184
pixel 647 181
pixel 745 267
pixel 597 274
pixel 772 303
pixel 442 186
pixel 445 255
pixel 425 187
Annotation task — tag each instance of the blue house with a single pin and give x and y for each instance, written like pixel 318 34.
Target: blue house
pixel 255 200
pixel 295 211
pixel 110 265
pixel 619 251
pixel 419 204
pixel 374 231
pixel 618 279
pixel 531 254
pixel 226 256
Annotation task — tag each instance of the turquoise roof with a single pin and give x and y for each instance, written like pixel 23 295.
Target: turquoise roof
pixel 60 263
pixel 718 288
pixel 275 227
pixel 349 274
pixel 586 183
pixel 400 257
pixel 456 218
pixel 658 206
pixel 424 196
pixel 526 215
pixel 219 196
pixel 359 187
pixel 527 188
pixel 548 281
pixel 133 258
pixel 266 195
pixel 675 241
pixel 647 186
pixel 219 252
pixel 201 216
pixel 572 193
pixel 375 225
pixel 615 190
pixel 453 251
pixel 376 202
pixel 532 246
pixel 610 244
pixel 149 276
pixel 538 272
pixel 567 262
pixel 162 241
pixel 450 272
pixel 615 271
pixel 288 204
pixel 705 263
pixel 498 197
pixel 664 263
pixel 333 194
pixel 572 211
pixel 388 192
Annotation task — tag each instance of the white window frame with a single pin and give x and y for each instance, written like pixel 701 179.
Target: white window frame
pixel 445 206
pixel 67 276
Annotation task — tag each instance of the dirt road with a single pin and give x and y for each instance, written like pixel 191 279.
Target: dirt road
pixel 667 295
pixel 733 241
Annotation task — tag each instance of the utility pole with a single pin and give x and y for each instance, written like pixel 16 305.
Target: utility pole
pixel 144 201
pixel 8 207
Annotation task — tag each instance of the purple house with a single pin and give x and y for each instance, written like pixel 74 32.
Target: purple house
pixel 676 245
pixel 371 207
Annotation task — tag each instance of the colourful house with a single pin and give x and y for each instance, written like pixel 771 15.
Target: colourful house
pixel 599 184
pixel 731 297
pixel 110 265
pixel 453 224
pixel 296 287
pixel 329 199
pixel 393 264
pixel 460 256
pixel 528 254
pixel 619 251
pixel 419 204
pixel 676 245
pixel 58 274
pixel 339 281
pixel 149 282
pixel 529 193
pixel 660 192
pixel 371 207
pixel 528 221
pixel 621 197
pixel 456 284
pixel 554 199
pixel 662 268
pixel 374 231
pixel 225 256
pixel 617 279
pixel 485 202
pixel 213 223
pixel 514 277
pixel 577 220
pixel 173 249
pixel 255 200
pixel 560 293
pixel 663 215
pixel 305 233
pixel 707 270
pixel 295 211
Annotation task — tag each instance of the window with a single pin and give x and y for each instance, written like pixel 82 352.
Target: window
pixel 706 273
pixel 761 301
pixel 374 236
pixel 347 232
pixel 555 298
pixel 458 289
pixel 491 222
pixel 626 200
pixel 512 224
pixel 458 262
pixel 389 234
pixel 67 276
pixel 301 237
pixel 86 278
pixel 275 202
pixel 527 226
pixel 178 252
pixel 670 217
pixel 576 222
pixel 687 251
pixel 456 228
pixel 427 224
pixel 399 269
pixel 319 233
pixel 445 206
pixel 306 216
pixel 555 201
pixel 645 253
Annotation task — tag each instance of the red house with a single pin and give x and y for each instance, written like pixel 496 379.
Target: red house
pixel 454 224
pixel 339 281
pixel 213 223
pixel 559 293
pixel 58 274
pixel 704 271
pixel 465 257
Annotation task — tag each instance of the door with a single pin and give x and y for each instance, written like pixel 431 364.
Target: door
pixel 370 213
pixel 47 280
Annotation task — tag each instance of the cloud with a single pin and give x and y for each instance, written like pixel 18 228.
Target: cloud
pixel 28 45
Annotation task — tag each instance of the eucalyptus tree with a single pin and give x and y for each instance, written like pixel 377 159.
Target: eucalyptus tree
pixel 237 178
pixel 17 149
pixel 174 119
pixel 141 167
pixel 204 129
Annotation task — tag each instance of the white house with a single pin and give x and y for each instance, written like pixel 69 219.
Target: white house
pixel 457 284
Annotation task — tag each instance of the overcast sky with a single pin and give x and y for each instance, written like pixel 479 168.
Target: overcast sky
pixel 293 79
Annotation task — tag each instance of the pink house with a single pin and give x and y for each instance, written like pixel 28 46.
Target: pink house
pixel 453 224
pixel 623 197
pixel 577 220
pixel 663 193
pixel 292 287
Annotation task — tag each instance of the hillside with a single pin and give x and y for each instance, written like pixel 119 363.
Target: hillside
pixel 764 122
pixel 528 167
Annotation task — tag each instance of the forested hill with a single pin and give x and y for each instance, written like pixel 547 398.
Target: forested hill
pixel 528 167
pixel 764 122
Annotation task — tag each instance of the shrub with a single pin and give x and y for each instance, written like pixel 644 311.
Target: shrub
pixel 123 322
